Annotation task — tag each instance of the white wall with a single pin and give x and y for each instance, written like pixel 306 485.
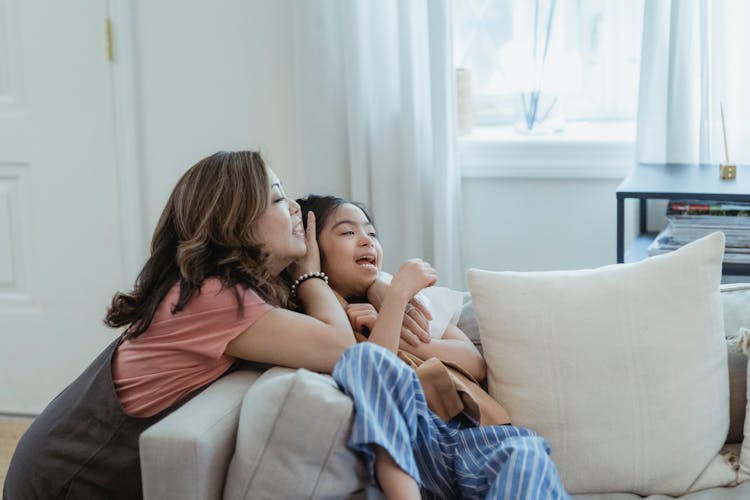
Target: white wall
pixel 541 224
pixel 220 75
pixel 212 76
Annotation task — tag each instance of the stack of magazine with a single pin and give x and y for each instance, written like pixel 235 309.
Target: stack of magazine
pixel 693 219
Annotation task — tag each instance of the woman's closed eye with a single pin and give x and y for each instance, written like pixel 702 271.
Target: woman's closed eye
pixel 278 194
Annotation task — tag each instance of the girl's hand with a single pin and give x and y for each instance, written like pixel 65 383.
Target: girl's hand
pixel 362 316
pixel 310 262
pixel 414 275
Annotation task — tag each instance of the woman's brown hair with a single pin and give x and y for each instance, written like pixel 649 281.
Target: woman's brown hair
pixel 205 231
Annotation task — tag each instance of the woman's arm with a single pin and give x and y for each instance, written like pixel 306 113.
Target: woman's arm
pixel 314 340
pixel 454 347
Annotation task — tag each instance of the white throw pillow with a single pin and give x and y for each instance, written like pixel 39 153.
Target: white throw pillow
pixel 623 369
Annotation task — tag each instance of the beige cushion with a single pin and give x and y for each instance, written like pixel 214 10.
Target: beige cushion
pixel 185 455
pixel 623 368
pixel 292 437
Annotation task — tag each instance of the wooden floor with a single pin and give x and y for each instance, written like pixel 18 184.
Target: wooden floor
pixel 11 429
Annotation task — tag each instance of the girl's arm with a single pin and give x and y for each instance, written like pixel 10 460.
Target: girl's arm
pixel 454 347
pixel 413 276
pixel 314 340
pixel 416 319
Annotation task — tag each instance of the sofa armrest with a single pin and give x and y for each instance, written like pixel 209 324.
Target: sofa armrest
pixel 735 299
pixel 186 455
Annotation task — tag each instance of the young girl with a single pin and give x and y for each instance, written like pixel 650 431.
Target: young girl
pixel 406 443
pixel 211 292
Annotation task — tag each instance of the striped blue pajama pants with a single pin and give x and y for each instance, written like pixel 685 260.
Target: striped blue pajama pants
pixel 448 460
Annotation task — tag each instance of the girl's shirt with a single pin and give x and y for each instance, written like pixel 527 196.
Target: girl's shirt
pixel 182 352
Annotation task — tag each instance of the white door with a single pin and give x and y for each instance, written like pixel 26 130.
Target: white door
pixel 60 257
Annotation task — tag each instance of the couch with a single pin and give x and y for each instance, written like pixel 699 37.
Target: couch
pixel 626 371
pixel 281 433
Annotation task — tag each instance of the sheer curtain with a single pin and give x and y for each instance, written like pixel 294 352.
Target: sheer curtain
pixel 694 58
pixel 374 86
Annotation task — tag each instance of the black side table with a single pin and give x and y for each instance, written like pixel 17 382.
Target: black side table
pixel 663 181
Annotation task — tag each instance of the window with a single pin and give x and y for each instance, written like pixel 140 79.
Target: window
pixel 586 53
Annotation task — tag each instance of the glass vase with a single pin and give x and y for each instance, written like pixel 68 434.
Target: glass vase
pixel 538 112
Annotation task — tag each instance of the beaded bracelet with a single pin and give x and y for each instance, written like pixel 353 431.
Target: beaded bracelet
pixel 305 277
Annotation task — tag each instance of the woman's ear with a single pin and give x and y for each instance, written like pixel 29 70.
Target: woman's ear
pixel 252 234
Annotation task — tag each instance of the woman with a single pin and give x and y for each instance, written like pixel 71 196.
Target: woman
pixel 403 438
pixel 211 292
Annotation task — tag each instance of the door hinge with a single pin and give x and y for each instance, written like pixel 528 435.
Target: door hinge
pixel 110 44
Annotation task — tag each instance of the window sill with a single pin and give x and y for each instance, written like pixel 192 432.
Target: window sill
pixel 584 150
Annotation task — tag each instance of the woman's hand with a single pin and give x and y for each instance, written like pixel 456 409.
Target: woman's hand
pixel 361 317
pixel 415 328
pixel 310 262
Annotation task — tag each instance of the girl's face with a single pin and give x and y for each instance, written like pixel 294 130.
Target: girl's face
pixel 350 253
pixel 279 230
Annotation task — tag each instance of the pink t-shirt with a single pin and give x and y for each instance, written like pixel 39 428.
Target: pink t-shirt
pixel 182 352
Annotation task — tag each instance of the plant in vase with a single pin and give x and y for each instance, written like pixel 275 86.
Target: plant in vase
pixel 539 111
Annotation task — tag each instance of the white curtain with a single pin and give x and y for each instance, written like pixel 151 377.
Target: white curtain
pixel 694 58
pixel 375 95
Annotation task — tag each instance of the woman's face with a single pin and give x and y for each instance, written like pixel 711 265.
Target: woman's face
pixel 350 253
pixel 279 230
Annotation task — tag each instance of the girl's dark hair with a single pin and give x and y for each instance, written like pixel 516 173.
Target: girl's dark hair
pixel 205 230
pixel 324 206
